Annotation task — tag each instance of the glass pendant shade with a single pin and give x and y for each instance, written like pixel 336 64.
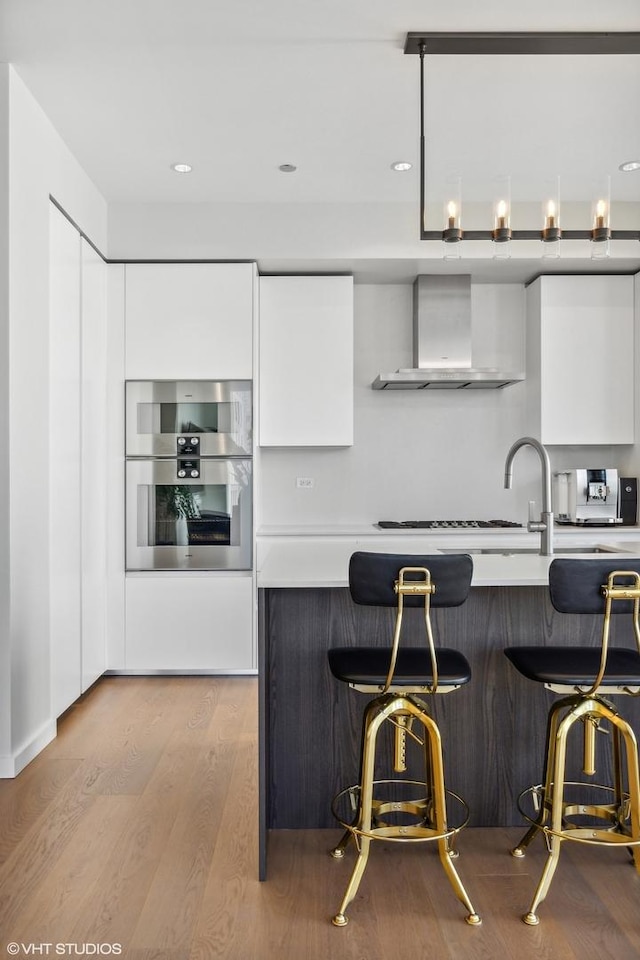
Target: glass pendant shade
pixel 601 220
pixel 551 229
pixel 452 218
pixel 501 232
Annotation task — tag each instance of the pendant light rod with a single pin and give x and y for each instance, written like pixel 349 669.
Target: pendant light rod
pixel 423 152
pixel 460 44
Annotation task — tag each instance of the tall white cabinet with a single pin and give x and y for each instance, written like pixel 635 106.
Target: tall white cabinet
pixel 189 321
pixel 580 357
pixel 77 498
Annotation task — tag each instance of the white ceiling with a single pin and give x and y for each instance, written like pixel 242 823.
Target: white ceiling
pixel 237 88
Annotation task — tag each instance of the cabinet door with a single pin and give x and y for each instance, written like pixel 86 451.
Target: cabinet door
pixel 189 623
pixel 94 465
pixel 65 498
pixel 189 321
pixel 77 491
pixel 306 361
pixel 586 360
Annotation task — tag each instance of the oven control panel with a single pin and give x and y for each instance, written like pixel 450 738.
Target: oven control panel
pixel 189 469
pixel 189 445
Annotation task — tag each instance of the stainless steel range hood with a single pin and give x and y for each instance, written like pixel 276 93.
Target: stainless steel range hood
pixel 442 342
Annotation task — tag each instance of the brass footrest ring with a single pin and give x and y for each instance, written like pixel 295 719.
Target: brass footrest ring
pixel 593 834
pixel 421 831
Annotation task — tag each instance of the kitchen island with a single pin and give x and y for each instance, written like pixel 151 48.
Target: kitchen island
pixel 492 729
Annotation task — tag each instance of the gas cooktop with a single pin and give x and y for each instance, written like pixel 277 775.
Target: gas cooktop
pixel 444 524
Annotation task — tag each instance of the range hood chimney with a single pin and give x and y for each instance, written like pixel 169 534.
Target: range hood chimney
pixel 442 341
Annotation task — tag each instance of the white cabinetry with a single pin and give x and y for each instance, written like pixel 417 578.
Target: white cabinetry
pixel 189 321
pixel 306 361
pixel 580 333
pixel 77 493
pixel 187 622
pixel 94 465
pixel 65 561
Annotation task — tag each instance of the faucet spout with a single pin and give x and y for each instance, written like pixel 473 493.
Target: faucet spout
pixel 545 525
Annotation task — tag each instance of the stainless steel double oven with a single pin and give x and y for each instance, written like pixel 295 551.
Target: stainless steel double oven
pixel 189 475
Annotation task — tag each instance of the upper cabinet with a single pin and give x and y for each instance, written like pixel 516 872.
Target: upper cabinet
pixel 580 332
pixel 306 361
pixel 189 321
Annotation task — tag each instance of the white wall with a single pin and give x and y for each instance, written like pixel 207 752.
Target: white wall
pixel 40 165
pixel 313 231
pixel 419 454
pixel 415 455
pixel 5 647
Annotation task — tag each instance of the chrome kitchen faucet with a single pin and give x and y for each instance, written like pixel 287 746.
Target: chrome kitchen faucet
pixel 543 526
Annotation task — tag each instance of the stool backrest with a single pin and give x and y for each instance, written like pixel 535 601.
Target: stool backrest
pixel 575 586
pixel 372 577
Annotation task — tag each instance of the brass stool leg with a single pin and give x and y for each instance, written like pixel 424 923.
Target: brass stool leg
pixel 440 814
pixel 633 777
pixel 557 749
pixel 553 720
pixel 337 852
pixel 341 919
pixel 373 719
pixel 376 714
pixel 519 851
pixel 531 918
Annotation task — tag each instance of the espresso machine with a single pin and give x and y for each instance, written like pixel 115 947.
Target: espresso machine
pixel 587 497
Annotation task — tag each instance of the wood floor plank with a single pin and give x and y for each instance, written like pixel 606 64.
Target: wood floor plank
pixel 28 865
pixel 130 870
pixel 66 890
pixel 174 897
pixel 90 720
pixel 24 800
pixel 133 748
pixel 613 880
pixel 139 827
pixel 234 864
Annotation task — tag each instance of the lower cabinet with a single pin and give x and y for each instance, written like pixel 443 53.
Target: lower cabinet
pixel 190 622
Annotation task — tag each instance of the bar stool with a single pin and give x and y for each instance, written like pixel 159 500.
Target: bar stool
pixel 585 674
pixel 397 675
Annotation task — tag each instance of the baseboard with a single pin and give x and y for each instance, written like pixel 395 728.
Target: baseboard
pixel 180 673
pixel 10 766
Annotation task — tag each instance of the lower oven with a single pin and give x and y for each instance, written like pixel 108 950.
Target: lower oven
pixel 184 514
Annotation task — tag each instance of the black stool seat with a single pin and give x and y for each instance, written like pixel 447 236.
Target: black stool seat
pixel 370 666
pixel 576 666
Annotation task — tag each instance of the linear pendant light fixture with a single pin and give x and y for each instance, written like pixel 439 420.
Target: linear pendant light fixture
pixel 497 44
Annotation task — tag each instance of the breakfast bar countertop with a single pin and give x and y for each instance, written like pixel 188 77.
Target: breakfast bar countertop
pixel 307 558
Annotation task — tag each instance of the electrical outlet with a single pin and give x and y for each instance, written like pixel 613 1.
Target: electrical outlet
pixel 305 483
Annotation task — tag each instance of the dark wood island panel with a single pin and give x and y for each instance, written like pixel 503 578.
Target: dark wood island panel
pixel 492 730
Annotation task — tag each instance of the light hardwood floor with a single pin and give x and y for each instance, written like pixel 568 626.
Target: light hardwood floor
pixel 137 826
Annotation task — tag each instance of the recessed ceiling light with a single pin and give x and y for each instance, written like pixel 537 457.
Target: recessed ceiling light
pixel 401 166
pixel 181 167
pixel 629 165
pixel 287 167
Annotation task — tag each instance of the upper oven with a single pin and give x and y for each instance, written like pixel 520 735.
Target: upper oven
pixel 193 418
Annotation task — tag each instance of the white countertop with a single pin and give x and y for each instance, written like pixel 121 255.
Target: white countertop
pixel 308 558
pixel 563 532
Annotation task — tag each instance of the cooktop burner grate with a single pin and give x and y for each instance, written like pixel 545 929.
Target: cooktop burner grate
pixel 444 524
